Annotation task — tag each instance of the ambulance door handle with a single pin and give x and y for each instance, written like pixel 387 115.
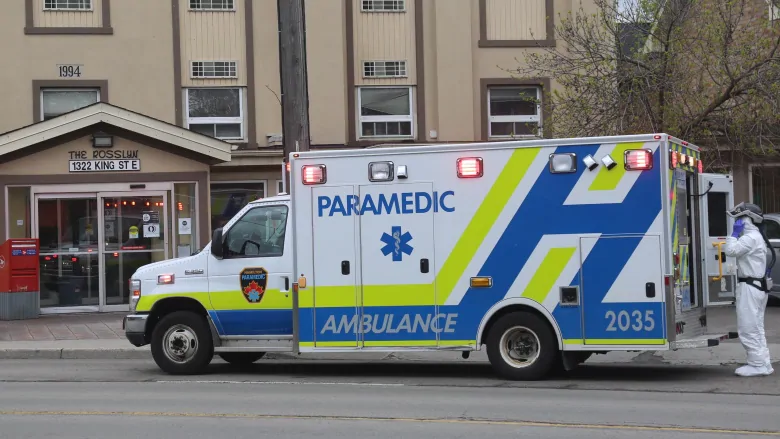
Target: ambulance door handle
pixel 345 267
pixel 424 266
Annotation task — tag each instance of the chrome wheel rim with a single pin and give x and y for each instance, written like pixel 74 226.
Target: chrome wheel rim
pixel 519 347
pixel 180 343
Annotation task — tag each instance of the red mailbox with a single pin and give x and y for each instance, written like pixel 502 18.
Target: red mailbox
pixel 19 279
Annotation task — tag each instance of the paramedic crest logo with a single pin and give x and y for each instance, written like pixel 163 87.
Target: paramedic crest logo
pixel 397 244
pixel 253 283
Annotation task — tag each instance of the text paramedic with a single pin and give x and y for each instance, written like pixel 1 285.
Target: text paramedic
pixel 404 203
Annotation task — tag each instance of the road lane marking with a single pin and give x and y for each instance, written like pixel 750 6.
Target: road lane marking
pixel 559 425
pixel 324 383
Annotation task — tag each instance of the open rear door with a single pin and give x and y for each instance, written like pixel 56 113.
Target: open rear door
pixel 717 197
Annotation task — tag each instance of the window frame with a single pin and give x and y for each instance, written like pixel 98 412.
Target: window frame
pixel 203 63
pixel 403 68
pixel 363 8
pixel 372 119
pixel 515 119
pixel 231 9
pixel 90 8
pixel 217 120
pixel 226 233
pixel 279 187
pixel 76 89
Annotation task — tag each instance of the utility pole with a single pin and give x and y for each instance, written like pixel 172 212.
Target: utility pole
pixel 294 82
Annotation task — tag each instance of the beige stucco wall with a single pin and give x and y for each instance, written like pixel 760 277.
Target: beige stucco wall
pixel 326 57
pixel 213 36
pixel 60 18
pixel 135 60
pixel 54 161
pixel 268 108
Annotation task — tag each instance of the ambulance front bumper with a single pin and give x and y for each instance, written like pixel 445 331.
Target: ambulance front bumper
pixel 134 326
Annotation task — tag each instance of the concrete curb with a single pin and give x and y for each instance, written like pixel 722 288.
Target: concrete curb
pixel 73 354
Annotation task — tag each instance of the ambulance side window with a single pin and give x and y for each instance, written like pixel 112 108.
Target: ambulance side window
pixel 258 234
pixel 716 214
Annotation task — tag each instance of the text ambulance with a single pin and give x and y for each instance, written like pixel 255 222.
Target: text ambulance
pixel 543 252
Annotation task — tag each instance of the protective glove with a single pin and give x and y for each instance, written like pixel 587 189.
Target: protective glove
pixel 739 226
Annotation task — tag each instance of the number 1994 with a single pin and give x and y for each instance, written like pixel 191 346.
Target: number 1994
pixel 636 320
pixel 69 71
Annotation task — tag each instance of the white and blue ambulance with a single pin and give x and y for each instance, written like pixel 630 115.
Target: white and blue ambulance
pixel 542 252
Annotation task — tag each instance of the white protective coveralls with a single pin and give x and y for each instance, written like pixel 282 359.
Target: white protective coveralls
pixel 750 252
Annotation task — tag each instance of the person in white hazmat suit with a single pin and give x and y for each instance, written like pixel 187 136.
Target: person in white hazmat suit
pixel 748 246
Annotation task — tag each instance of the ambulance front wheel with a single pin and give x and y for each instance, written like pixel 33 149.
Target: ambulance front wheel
pixel 522 346
pixel 181 343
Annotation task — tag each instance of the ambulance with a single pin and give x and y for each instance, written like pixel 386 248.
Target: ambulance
pixel 541 252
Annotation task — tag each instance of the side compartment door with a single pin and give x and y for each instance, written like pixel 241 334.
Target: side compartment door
pixel 249 287
pixel 398 267
pixel 623 300
pixel 715 228
pixel 334 231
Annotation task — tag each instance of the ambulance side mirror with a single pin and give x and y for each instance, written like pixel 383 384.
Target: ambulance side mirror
pixel 217 249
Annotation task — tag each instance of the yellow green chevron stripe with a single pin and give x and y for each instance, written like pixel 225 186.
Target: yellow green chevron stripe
pixel 608 180
pixel 548 273
pixel 483 221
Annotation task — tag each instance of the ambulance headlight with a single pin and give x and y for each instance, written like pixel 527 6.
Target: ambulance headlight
pixel 380 171
pixel 563 163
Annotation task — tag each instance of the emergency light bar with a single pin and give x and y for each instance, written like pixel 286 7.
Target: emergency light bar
pixel 470 167
pixel 638 160
pixel 314 174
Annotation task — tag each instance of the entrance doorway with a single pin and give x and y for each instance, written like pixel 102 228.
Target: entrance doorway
pixel 91 243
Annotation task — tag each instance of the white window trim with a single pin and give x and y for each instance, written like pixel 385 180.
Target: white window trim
pixel 409 118
pixel 377 11
pixel 89 9
pixel 217 120
pixel 498 119
pixel 43 90
pixel 233 9
pixel 279 187
pixel 400 61
pixel 200 78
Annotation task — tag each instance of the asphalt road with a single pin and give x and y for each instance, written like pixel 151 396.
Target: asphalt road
pixel 131 399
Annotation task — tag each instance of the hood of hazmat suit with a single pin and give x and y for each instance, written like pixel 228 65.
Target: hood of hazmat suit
pixel 747 245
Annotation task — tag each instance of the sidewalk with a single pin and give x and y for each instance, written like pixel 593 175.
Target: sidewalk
pixel 100 336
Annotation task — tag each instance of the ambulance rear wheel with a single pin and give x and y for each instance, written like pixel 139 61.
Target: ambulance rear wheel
pixel 241 358
pixel 521 346
pixel 181 343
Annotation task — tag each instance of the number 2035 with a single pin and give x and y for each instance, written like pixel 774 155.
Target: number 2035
pixel 636 320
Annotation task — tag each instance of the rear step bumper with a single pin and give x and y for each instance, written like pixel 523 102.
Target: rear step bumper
pixel 703 341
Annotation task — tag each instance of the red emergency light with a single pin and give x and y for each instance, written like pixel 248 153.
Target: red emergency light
pixel 470 167
pixel 700 166
pixel 638 160
pixel 314 174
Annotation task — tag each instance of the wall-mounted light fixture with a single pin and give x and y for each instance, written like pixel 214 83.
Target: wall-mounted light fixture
pixel 102 140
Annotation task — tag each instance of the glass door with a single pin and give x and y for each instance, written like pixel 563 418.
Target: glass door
pixel 134 233
pixel 67 226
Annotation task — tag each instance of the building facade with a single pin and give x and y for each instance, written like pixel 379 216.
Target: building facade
pixel 132 129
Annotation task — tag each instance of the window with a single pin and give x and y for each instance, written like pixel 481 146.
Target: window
pixel 212 5
pixel 716 217
pixel 57 101
pixel 385 111
pixel 384 69
pixel 228 198
pixel 216 112
pixel 279 186
pixel 514 111
pixel 383 5
pixel 214 69
pixel 258 234
pixel 69 5
pixel 772 230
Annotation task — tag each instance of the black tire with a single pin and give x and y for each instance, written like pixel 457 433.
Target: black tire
pixel 541 364
pixel 241 358
pixel 191 327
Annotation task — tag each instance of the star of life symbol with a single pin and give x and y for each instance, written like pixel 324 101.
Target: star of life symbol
pixel 253 292
pixel 397 243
